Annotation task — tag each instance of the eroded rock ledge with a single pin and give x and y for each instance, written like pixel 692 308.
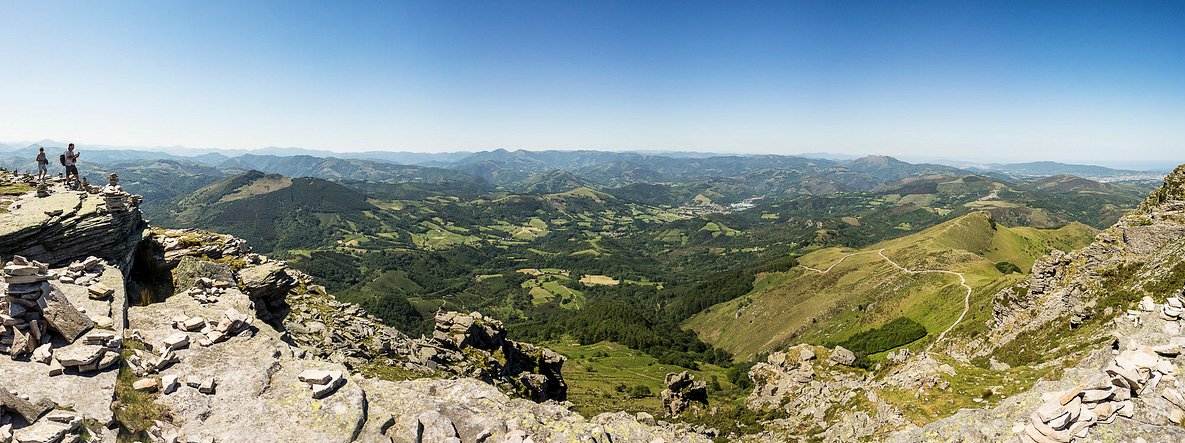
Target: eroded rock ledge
pixel 66 225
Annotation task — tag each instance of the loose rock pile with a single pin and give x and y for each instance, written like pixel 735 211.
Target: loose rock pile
pixel 1136 373
pixel 32 309
pixel 1139 372
pixel 231 323
pixel 83 272
pixel 207 290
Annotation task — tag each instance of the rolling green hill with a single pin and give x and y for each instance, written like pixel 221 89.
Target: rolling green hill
pixel 274 212
pixel 837 292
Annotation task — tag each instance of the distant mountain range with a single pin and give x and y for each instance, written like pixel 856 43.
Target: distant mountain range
pixel 558 171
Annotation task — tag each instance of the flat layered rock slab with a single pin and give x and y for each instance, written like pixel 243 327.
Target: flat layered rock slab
pixel 89 394
pixel 257 381
pixel 32 210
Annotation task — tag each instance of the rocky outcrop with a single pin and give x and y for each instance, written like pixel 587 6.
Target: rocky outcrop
pixel 65 225
pixel 222 373
pixel 682 389
pixel 268 285
pixel 1069 285
pixel 464 345
pixel 806 389
pixel 1123 392
pixel 466 410
pixel 498 360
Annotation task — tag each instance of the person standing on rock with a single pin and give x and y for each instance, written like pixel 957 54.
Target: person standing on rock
pixel 70 160
pixel 42 165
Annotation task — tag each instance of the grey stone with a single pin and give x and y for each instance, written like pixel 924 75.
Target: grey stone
pixel 29 410
pixel 435 427
pixel 79 354
pixel 61 315
pixel 168 384
pixel 841 356
pixel 316 376
pixel 44 431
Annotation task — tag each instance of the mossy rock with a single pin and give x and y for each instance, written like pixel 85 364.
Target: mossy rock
pixel 190 269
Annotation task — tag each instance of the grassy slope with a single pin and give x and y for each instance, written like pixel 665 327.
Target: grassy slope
pixel 593 371
pixel 805 306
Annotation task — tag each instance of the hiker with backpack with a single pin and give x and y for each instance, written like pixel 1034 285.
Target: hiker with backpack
pixel 69 159
pixel 42 165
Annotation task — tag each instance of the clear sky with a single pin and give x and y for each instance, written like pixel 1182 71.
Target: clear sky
pixel 1069 81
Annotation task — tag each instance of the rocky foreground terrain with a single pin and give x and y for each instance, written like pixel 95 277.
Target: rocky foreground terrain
pixel 113 328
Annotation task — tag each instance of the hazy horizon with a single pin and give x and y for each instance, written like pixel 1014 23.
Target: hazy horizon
pixel 1058 81
pixel 1149 165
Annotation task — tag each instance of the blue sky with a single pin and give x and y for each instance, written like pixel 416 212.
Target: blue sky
pixel 1069 81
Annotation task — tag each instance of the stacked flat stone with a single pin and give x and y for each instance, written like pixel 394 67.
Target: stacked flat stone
pixel 323 383
pixel 31 307
pixel 113 194
pixel 207 290
pixel 1137 372
pixel 144 363
pixel 231 323
pixel 96 351
pixel 1173 310
pixel 22 327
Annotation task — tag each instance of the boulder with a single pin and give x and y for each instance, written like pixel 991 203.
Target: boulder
pixel 61 315
pixel 192 269
pixel 267 285
pixel 841 356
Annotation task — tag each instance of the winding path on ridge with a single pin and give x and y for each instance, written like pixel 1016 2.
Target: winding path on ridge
pixel 881 252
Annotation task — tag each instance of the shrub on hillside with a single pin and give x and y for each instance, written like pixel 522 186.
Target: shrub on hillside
pixel 1007 268
pixel 899 332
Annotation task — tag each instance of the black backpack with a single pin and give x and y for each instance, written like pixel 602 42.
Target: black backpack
pixel 62 158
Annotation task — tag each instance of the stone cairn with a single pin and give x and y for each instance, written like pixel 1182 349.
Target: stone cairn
pixel 207 290
pixel 1138 372
pixel 113 194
